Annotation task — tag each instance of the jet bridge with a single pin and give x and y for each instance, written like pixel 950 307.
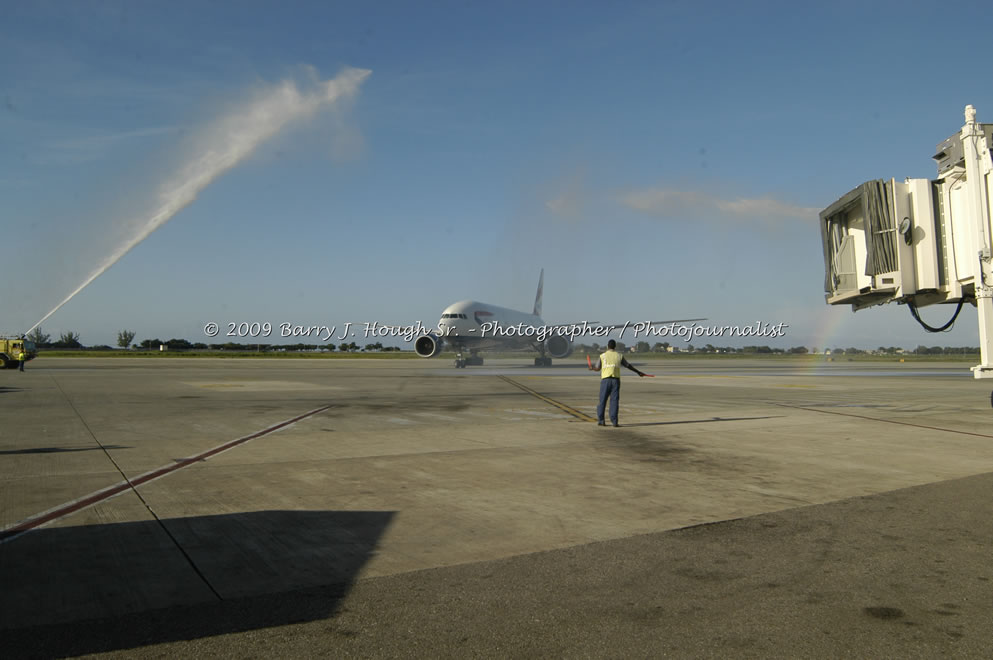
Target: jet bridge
pixel 920 241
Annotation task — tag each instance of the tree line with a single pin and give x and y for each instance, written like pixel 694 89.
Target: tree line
pixel 920 350
pixel 125 339
pixel 184 345
pixel 664 347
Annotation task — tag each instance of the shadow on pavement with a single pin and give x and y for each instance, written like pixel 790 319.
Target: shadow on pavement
pixel 58 450
pixel 97 588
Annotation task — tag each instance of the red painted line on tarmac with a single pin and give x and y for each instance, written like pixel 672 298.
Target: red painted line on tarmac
pixel 68 508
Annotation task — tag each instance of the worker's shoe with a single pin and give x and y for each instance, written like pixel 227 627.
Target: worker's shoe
pixel 615 424
pixel 601 423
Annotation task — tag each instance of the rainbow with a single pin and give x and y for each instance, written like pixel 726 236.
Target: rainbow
pixel 829 324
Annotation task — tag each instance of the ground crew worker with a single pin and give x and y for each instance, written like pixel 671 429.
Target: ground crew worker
pixel 21 357
pixel 609 365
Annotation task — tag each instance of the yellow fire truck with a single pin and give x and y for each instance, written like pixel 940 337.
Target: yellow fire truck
pixel 10 347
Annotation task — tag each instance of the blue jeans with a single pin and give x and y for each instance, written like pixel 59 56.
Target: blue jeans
pixel 609 387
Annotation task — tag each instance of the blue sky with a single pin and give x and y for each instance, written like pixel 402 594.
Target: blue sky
pixel 658 160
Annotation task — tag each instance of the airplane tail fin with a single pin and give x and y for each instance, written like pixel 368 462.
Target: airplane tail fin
pixel 537 298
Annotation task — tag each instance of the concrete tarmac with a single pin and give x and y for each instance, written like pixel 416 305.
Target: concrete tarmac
pixel 403 508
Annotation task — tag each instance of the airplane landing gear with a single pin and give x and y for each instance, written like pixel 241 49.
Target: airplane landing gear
pixel 543 361
pixel 472 361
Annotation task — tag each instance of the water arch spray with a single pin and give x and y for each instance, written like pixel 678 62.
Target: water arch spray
pixel 229 141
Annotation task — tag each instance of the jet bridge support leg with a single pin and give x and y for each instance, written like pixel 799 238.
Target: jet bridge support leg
pixel 984 302
pixel 976 159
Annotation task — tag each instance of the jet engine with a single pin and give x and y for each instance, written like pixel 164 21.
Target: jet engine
pixel 558 346
pixel 428 345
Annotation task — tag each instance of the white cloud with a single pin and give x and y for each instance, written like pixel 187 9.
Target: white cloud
pixel 73 150
pixel 567 204
pixel 765 207
pixel 569 196
pixel 103 140
pixel 667 202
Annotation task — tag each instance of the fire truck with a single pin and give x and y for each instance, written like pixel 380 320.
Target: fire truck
pixel 10 347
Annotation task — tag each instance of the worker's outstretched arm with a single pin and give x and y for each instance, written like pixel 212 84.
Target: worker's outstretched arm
pixel 625 363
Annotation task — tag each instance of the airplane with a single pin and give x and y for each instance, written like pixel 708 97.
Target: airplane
pixel 469 326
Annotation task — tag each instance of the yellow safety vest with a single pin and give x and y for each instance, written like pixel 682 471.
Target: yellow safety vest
pixel 21 356
pixel 610 365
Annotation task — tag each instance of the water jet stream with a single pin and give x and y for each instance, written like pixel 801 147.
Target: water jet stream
pixel 229 141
